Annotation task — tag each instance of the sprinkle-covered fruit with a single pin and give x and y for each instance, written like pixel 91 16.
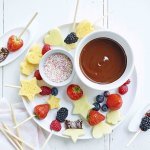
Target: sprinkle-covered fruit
pixel 74 92
pixel 37 75
pixel 62 114
pixel 114 101
pixel 45 90
pixel 106 93
pixel 99 98
pixel 41 111
pixel 96 106
pixel 55 125
pixel 94 117
pixel 14 43
pixel 71 38
pixel 45 48
pixel 104 108
pixel 145 123
pixel 54 91
pixel 123 89
pixel 127 82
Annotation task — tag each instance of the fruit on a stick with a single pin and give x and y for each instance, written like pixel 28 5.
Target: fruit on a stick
pixel 94 117
pixel 14 43
pixel 74 92
pixel 114 101
pixel 41 111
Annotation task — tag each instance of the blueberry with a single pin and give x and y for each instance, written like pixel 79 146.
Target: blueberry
pixel 99 98
pixel 104 108
pixel 106 93
pixel 54 91
pixel 96 106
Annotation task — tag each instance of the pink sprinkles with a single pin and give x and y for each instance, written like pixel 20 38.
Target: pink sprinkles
pixel 58 67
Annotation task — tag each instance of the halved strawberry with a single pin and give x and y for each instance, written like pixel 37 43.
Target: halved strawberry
pixel 95 117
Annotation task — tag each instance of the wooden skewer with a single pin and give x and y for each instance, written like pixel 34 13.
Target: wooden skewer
pixel 12 86
pixel 133 138
pixel 26 27
pixel 29 118
pixel 14 119
pixel 14 136
pixel 75 15
pixel 9 139
pixel 46 141
pixel 16 141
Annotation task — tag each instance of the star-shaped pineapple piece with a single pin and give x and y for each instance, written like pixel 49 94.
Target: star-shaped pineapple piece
pixel 82 107
pixel 53 101
pixel 29 88
pixel 74 134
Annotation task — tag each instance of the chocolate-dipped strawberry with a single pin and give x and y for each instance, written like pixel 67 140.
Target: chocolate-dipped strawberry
pixel 3 54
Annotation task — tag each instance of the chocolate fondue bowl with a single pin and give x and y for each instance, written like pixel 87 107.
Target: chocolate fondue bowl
pixel 103 60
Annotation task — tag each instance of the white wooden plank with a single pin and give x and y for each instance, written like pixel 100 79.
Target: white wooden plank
pixel 129 18
pixel 1 33
pixel 51 14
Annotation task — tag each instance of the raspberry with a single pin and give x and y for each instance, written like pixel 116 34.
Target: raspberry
pixel 127 82
pixel 71 38
pixel 45 90
pixel 55 125
pixel 45 48
pixel 62 114
pixel 37 75
pixel 123 89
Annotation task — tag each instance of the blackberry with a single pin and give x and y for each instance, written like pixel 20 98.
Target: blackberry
pixel 143 127
pixel 71 38
pixel 62 114
pixel 145 123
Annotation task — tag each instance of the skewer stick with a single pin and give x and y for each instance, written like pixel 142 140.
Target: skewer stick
pixel 29 118
pixel 14 136
pixel 46 141
pixel 133 138
pixel 14 119
pixel 75 15
pixel 9 139
pixel 12 86
pixel 26 27
pixel 16 141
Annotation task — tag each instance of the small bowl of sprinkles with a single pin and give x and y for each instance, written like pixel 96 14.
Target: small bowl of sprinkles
pixel 56 67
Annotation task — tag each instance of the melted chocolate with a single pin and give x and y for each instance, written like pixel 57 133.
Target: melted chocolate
pixel 103 60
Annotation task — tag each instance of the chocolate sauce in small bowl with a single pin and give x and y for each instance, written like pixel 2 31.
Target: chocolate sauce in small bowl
pixel 103 60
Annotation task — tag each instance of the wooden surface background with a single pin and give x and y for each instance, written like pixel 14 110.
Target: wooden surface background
pixel 127 17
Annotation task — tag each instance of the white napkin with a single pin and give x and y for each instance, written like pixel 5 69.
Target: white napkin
pixel 29 132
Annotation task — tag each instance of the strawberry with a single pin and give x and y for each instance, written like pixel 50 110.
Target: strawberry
pixel 37 75
pixel 55 125
pixel 74 92
pixel 45 90
pixel 14 43
pixel 123 89
pixel 41 111
pixel 114 101
pixel 127 82
pixel 95 117
pixel 45 48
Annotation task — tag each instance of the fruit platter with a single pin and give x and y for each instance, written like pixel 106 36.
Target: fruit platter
pixel 79 84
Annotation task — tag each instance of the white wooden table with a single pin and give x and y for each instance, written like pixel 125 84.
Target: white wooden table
pixel 127 17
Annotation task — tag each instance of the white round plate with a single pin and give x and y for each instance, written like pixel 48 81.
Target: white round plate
pixel 128 99
pixel 26 37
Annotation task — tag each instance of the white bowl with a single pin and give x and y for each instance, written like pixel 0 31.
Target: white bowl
pixel 128 51
pixel 41 67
